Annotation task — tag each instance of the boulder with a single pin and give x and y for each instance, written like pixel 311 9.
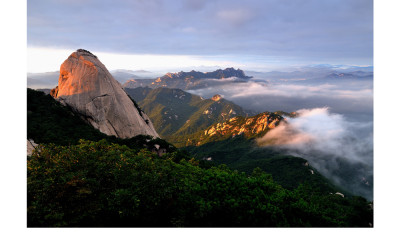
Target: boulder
pixel 31 145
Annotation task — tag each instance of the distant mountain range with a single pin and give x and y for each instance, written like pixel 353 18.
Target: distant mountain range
pixel 360 75
pixel 190 80
pixel 217 74
pixel 197 80
pixel 314 74
pixel 340 77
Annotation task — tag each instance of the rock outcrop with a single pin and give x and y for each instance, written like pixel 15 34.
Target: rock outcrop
pixel 89 89
pixel 216 98
pixel 249 127
pixel 30 146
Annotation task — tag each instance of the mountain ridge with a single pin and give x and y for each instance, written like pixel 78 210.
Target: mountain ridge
pixel 183 113
pixel 248 127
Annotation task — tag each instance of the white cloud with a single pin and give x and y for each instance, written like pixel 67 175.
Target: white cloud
pixel 299 90
pixel 339 149
pixel 313 127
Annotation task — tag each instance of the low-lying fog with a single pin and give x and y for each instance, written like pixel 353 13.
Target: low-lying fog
pixel 340 149
pixel 334 130
pixel 347 97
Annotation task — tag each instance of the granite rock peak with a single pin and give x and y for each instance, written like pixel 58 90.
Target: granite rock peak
pixel 88 88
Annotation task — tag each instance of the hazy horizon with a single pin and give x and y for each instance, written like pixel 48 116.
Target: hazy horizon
pixel 49 60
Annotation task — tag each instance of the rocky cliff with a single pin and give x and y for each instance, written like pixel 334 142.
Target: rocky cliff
pixel 249 127
pixel 89 89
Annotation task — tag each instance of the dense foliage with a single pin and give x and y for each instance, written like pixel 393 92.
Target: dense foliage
pixel 241 154
pixel 49 121
pixel 104 184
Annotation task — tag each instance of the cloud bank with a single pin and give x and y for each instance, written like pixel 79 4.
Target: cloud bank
pixel 349 97
pixel 341 150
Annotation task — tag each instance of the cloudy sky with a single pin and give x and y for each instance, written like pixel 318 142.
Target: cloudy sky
pixel 251 34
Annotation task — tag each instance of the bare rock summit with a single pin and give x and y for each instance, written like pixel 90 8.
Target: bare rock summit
pixel 216 98
pixel 89 89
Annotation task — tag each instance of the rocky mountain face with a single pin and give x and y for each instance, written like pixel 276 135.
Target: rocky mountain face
pixel 89 89
pixel 216 97
pixel 249 127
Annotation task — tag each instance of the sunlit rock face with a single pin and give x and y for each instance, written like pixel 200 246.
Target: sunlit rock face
pixel 87 87
pixel 248 127
pixel 251 126
pixel 216 98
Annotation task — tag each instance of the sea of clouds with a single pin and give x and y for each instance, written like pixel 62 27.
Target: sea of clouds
pixel 333 129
